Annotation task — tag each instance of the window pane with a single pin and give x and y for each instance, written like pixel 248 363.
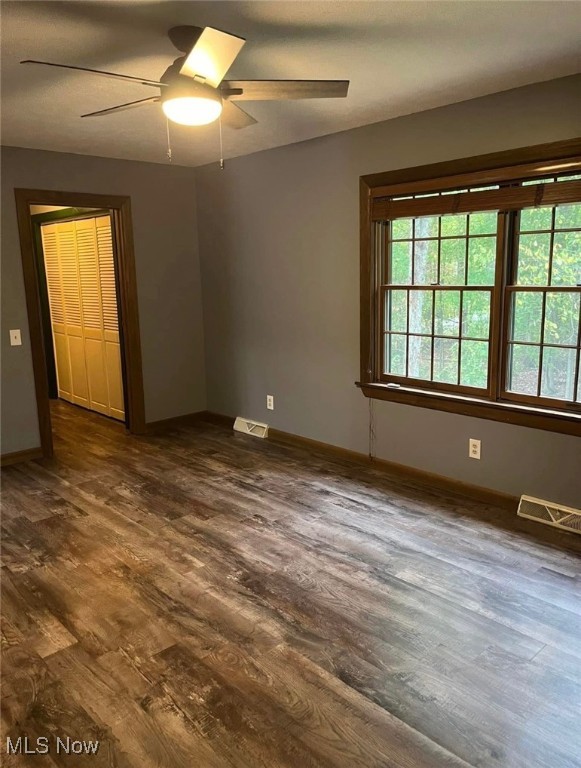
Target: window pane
pixel 420 357
pixel 401 229
pixel 483 223
pixel 446 360
pixel 396 311
pixel 453 225
pixel 568 216
pixel 476 314
pixel 527 311
pixel 401 263
pixel 425 262
pixel 395 354
pixel 447 313
pixel 566 258
pixel 426 226
pixel 533 259
pixel 421 311
pixel 474 362
pixel 452 262
pixel 523 374
pixel 562 318
pixel 532 219
pixel 481 260
pixel 558 377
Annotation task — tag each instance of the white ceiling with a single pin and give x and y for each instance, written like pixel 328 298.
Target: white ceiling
pixel 401 57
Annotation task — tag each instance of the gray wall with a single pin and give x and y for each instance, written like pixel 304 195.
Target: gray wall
pixel 168 281
pixel 278 237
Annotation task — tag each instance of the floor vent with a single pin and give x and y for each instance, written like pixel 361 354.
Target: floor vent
pixel 251 427
pixel 566 518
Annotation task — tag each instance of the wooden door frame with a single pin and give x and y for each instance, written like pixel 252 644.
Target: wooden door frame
pixel 124 260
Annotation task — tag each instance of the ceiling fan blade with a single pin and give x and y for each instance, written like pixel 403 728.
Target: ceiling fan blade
pixel 274 90
pixel 112 75
pixel 235 117
pixel 212 56
pixel 122 107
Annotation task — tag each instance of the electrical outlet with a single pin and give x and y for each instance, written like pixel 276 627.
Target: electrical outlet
pixel 15 338
pixel 474 448
pixel 270 402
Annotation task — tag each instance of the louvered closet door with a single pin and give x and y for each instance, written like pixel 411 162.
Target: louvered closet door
pixel 81 283
pixel 94 342
pixel 57 311
pixel 67 247
pixel 110 317
pixel 99 311
pixel 68 335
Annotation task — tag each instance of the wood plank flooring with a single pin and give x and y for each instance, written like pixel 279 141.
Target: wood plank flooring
pixel 199 598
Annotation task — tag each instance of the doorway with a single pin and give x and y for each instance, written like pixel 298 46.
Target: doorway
pixel 81 293
pixel 80 319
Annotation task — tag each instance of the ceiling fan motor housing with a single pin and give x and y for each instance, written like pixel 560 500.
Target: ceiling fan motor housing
pixel 173 71
pixel 181 86
pixel 184 37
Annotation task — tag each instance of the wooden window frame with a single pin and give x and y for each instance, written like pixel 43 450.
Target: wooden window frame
pixel 375 189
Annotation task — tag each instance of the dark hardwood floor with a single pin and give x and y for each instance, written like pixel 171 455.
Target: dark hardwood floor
pixel 198 598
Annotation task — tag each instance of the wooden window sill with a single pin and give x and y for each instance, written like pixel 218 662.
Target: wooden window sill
pixel 509 413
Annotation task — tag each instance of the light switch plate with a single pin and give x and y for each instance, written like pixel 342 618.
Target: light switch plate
pixel 15 338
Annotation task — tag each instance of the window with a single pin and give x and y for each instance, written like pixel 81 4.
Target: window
pixel 475 291
pixel 438 298
pixel 544 306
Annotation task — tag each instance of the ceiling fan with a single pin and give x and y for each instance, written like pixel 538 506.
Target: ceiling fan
pixel 192 90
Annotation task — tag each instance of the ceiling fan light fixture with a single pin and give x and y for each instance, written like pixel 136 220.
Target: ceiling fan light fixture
pixel 191 104
pixel 192 110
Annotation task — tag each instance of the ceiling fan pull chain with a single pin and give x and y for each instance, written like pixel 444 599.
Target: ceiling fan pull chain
pixel 168 141
pixel 221 145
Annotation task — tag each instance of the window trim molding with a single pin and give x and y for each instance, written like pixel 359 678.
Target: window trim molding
pixel 509 413
pixel 509 164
